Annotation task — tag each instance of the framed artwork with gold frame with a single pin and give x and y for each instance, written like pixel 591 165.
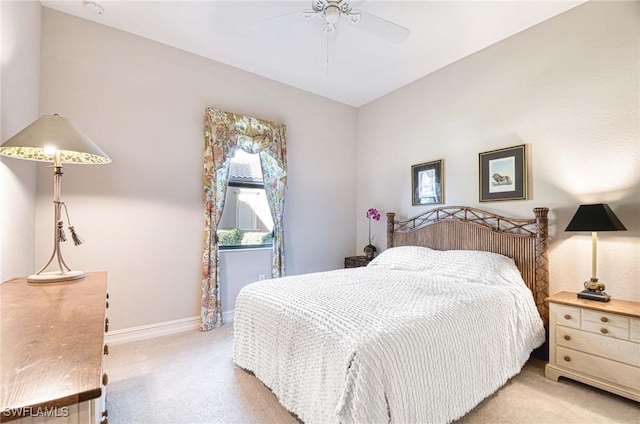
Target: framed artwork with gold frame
pixel 503 174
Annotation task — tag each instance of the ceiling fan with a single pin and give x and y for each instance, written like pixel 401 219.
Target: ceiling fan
pixel 332 12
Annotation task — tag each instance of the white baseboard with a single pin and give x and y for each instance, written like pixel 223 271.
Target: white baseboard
pixel 152 330
pixel 227 316
pixel 160 329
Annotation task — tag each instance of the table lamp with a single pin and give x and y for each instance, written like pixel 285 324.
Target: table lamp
pixel 594 218
pixel 53 138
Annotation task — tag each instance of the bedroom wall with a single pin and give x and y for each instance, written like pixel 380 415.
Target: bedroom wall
pixel 141 216
pixel 568 88
pixel 19 92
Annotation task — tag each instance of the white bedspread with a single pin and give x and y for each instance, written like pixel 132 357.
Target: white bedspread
pixel 377 344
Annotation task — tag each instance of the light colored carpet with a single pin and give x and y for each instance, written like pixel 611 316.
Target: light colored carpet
pixel 190 378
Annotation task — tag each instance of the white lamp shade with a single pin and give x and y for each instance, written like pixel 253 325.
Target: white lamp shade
pixel 40 140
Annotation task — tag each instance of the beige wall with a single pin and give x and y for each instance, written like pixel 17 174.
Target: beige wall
pixel 143 103
pixel 569 89
pixel 19 90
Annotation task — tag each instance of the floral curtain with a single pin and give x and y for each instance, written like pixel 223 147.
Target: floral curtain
pixel 224 133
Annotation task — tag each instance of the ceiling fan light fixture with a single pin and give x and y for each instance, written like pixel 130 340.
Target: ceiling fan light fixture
pixel 319 5
pixel 332 14
pixel 345 7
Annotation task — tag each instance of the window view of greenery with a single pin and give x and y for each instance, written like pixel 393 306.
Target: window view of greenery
pixel 246 220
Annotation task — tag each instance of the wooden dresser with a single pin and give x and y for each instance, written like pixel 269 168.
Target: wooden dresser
pixel 51 351
pixel 597 343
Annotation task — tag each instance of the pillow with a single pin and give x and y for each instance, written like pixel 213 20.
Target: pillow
pixel 406 258
pixel 467 265
pixel 487 267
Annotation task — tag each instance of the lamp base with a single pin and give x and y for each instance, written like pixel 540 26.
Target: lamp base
pixel 594 290
pixel 598 295
pixel 55 277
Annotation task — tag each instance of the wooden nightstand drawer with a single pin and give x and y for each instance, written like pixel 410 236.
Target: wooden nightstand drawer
pixel 624 375
pixel 566 315
pixel 606 330
pixel 606 347
pixel 605 318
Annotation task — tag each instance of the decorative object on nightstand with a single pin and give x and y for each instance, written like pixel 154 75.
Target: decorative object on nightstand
pixel 594 218
pixel 595 343
pixel 370 250
pixel 53 138
pixel 356 261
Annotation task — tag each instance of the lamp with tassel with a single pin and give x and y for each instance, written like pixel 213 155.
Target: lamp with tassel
pixel 53 138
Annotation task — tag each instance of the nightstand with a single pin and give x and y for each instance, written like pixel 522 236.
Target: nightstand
pixel 597 343
pixel 356 261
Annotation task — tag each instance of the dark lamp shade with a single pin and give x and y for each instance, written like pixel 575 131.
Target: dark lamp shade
pixel 595 218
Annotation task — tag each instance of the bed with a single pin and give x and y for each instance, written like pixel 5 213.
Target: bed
pixel 432 326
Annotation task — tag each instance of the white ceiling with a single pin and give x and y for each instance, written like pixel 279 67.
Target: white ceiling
pixel 288 50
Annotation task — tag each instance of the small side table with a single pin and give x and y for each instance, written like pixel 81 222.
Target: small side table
pixel 356 261
pixel 596 343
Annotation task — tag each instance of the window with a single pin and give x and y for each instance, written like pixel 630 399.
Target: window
pixel 246 220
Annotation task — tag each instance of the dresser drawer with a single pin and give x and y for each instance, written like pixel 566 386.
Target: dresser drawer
pixel 622 374
pixel 605 318
pixel 634 331
pixel 606 347
pixel 606 330
pixel 566 316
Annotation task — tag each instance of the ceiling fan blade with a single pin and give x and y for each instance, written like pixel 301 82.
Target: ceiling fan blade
pixel 309 14
pixel 380 27
pixel 353 17
pixel 280 20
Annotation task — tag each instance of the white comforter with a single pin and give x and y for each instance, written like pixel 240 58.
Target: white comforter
pixel 407 343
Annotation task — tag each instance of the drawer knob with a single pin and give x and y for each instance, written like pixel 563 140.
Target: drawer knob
pixel 105 379
pixel 567 358
pixel 105 413
pixel 106 325
pixel 604 319
pixel 604 330
pixel 105 350
pixel 106 305
pixel 567 337
pixel 567 316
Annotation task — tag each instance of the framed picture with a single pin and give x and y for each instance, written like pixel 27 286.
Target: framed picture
pixel 427 181
pixel 503 174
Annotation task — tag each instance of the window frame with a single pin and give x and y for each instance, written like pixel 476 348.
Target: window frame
pixel 245 184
